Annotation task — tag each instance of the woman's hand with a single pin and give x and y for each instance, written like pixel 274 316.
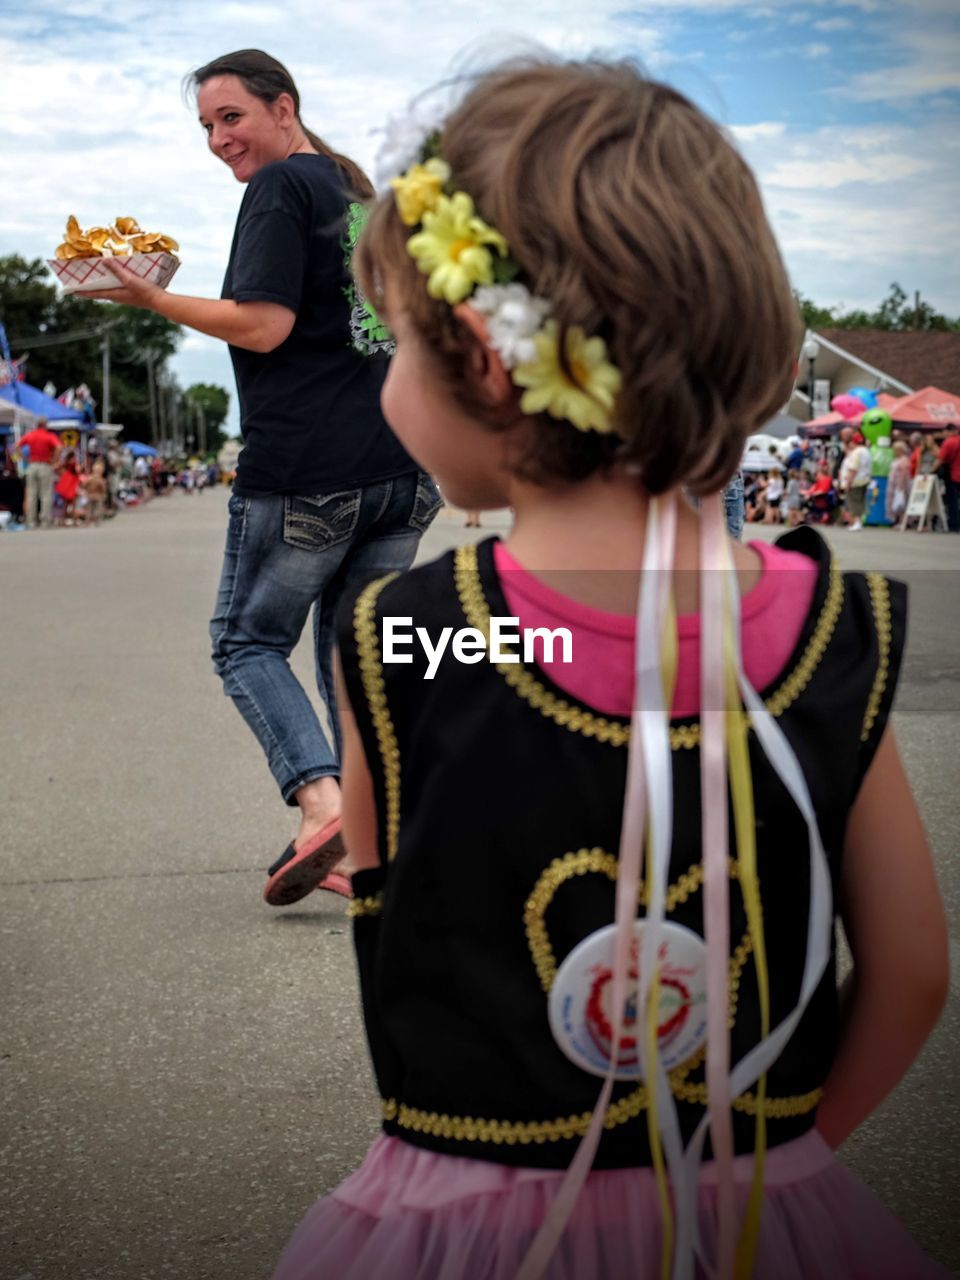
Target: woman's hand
pixel 135 292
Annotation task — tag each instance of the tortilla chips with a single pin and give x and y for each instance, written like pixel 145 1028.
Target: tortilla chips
pixel 121 239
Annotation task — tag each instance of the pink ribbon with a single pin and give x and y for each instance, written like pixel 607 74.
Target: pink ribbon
pixel 714 606
pixel 657 561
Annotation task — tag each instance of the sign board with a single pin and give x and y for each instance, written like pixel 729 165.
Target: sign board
pixel 924 503
pixel 821 396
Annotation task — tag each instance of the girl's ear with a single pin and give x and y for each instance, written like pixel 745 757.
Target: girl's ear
pixel 490 376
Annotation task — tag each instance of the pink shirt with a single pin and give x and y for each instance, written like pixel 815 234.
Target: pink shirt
pixel 601 674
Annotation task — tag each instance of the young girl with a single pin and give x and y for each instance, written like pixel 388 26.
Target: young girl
pixel 67 487
pixel 591 316
pixel 774 496
pixel 96 491
pixel 793 498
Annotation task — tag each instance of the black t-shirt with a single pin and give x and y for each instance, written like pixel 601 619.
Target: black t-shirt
pixel 309 410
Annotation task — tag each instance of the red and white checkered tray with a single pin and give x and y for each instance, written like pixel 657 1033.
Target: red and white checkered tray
pixel 79 274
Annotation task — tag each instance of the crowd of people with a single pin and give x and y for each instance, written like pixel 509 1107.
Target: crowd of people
pixel 45 484
pixel 828 481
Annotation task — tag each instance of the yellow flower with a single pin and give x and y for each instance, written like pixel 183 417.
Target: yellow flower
pixel 587 398
pixel 451 250
pixel 419 189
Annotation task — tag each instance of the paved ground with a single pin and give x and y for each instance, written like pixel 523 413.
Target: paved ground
pixel 182 1069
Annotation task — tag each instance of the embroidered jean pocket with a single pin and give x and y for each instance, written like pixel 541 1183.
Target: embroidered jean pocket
pixel 322 521
pixel 237 506
pixel 426 503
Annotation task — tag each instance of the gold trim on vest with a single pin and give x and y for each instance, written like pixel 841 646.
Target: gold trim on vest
pixel 880 599
pixel 578 719
pixel 371 673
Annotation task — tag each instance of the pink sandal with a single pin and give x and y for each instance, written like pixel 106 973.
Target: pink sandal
pixel 337 883
pixel 298 871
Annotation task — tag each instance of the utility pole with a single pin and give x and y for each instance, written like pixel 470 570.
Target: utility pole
pixel 175 414
pixel 161 410
pixel 151 390
pixel 105 397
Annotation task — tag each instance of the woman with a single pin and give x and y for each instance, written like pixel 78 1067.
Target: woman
pixel 898 483
pixel 928 456
pixel 773 497
pixel 324 494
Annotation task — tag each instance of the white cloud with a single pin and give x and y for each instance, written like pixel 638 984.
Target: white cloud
pixel 838 170
pixel 930 64
pixel 833 24
pixel 855 208
pixel 815 50
pixel 754 132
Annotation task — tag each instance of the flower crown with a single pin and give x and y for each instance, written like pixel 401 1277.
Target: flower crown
pixel 464 257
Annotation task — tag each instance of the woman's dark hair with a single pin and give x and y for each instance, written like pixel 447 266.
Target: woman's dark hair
pixel 266 78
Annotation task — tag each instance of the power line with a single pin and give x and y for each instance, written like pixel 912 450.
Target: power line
pixel 56 339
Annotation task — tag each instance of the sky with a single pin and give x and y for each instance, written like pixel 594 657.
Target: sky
pixel 848 111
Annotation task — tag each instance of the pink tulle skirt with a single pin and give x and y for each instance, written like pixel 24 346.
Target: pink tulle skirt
pixel 410 1214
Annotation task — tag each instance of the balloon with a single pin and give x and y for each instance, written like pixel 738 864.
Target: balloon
pixel 846 405
pixel 881 456
pixel 876 423
pixel 866 395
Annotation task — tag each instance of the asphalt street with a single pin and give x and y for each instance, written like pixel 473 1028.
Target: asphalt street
pixel 182 1068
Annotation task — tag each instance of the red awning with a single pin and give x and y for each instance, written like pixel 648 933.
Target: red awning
pixel 930 408
pixel 827 424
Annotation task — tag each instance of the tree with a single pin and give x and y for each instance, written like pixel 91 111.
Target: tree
pixel 206 407
pixel 893 313
pixel 63 337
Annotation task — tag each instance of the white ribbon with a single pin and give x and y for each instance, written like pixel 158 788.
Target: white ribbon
pixel 819 922
pixel 648 692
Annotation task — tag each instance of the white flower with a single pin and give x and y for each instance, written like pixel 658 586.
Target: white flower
pixel 404 137
pixel 513 316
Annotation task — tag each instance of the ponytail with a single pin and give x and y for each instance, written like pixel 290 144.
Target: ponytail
pixel 354 179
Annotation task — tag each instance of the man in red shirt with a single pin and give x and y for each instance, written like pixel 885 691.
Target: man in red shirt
pixel 949 460
pixel 44 454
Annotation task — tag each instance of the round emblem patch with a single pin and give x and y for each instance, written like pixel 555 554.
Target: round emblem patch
pixel 581 998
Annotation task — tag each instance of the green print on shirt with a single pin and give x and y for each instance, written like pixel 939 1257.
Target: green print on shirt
pixel 367 332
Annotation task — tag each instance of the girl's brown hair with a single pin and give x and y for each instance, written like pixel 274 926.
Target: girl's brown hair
pixel 266 78
pixel 639 221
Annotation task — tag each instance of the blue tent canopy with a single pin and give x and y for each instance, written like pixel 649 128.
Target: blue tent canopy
pixel 139 450
pixel 38 405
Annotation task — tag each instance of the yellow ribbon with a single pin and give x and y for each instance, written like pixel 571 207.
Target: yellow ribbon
pixel 669 660
pixel 741 789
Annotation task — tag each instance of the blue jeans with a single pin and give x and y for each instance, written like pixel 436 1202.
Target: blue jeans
pixel 284 555
pixel 733 505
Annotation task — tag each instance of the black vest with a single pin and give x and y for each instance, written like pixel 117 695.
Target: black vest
pixel 499 801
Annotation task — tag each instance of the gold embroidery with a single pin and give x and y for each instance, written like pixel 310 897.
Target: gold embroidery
pixel 581 863
pixel 371 672
pixel 880 599
pixel 523 1133
pixel 365 906
pixel 579 720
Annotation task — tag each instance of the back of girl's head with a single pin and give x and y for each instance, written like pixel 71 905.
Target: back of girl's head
pixel 639 221
pixel 264 77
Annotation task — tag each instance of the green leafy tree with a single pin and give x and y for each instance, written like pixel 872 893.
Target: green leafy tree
pixel 895 313
pixel 205 408
pixel 63 336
